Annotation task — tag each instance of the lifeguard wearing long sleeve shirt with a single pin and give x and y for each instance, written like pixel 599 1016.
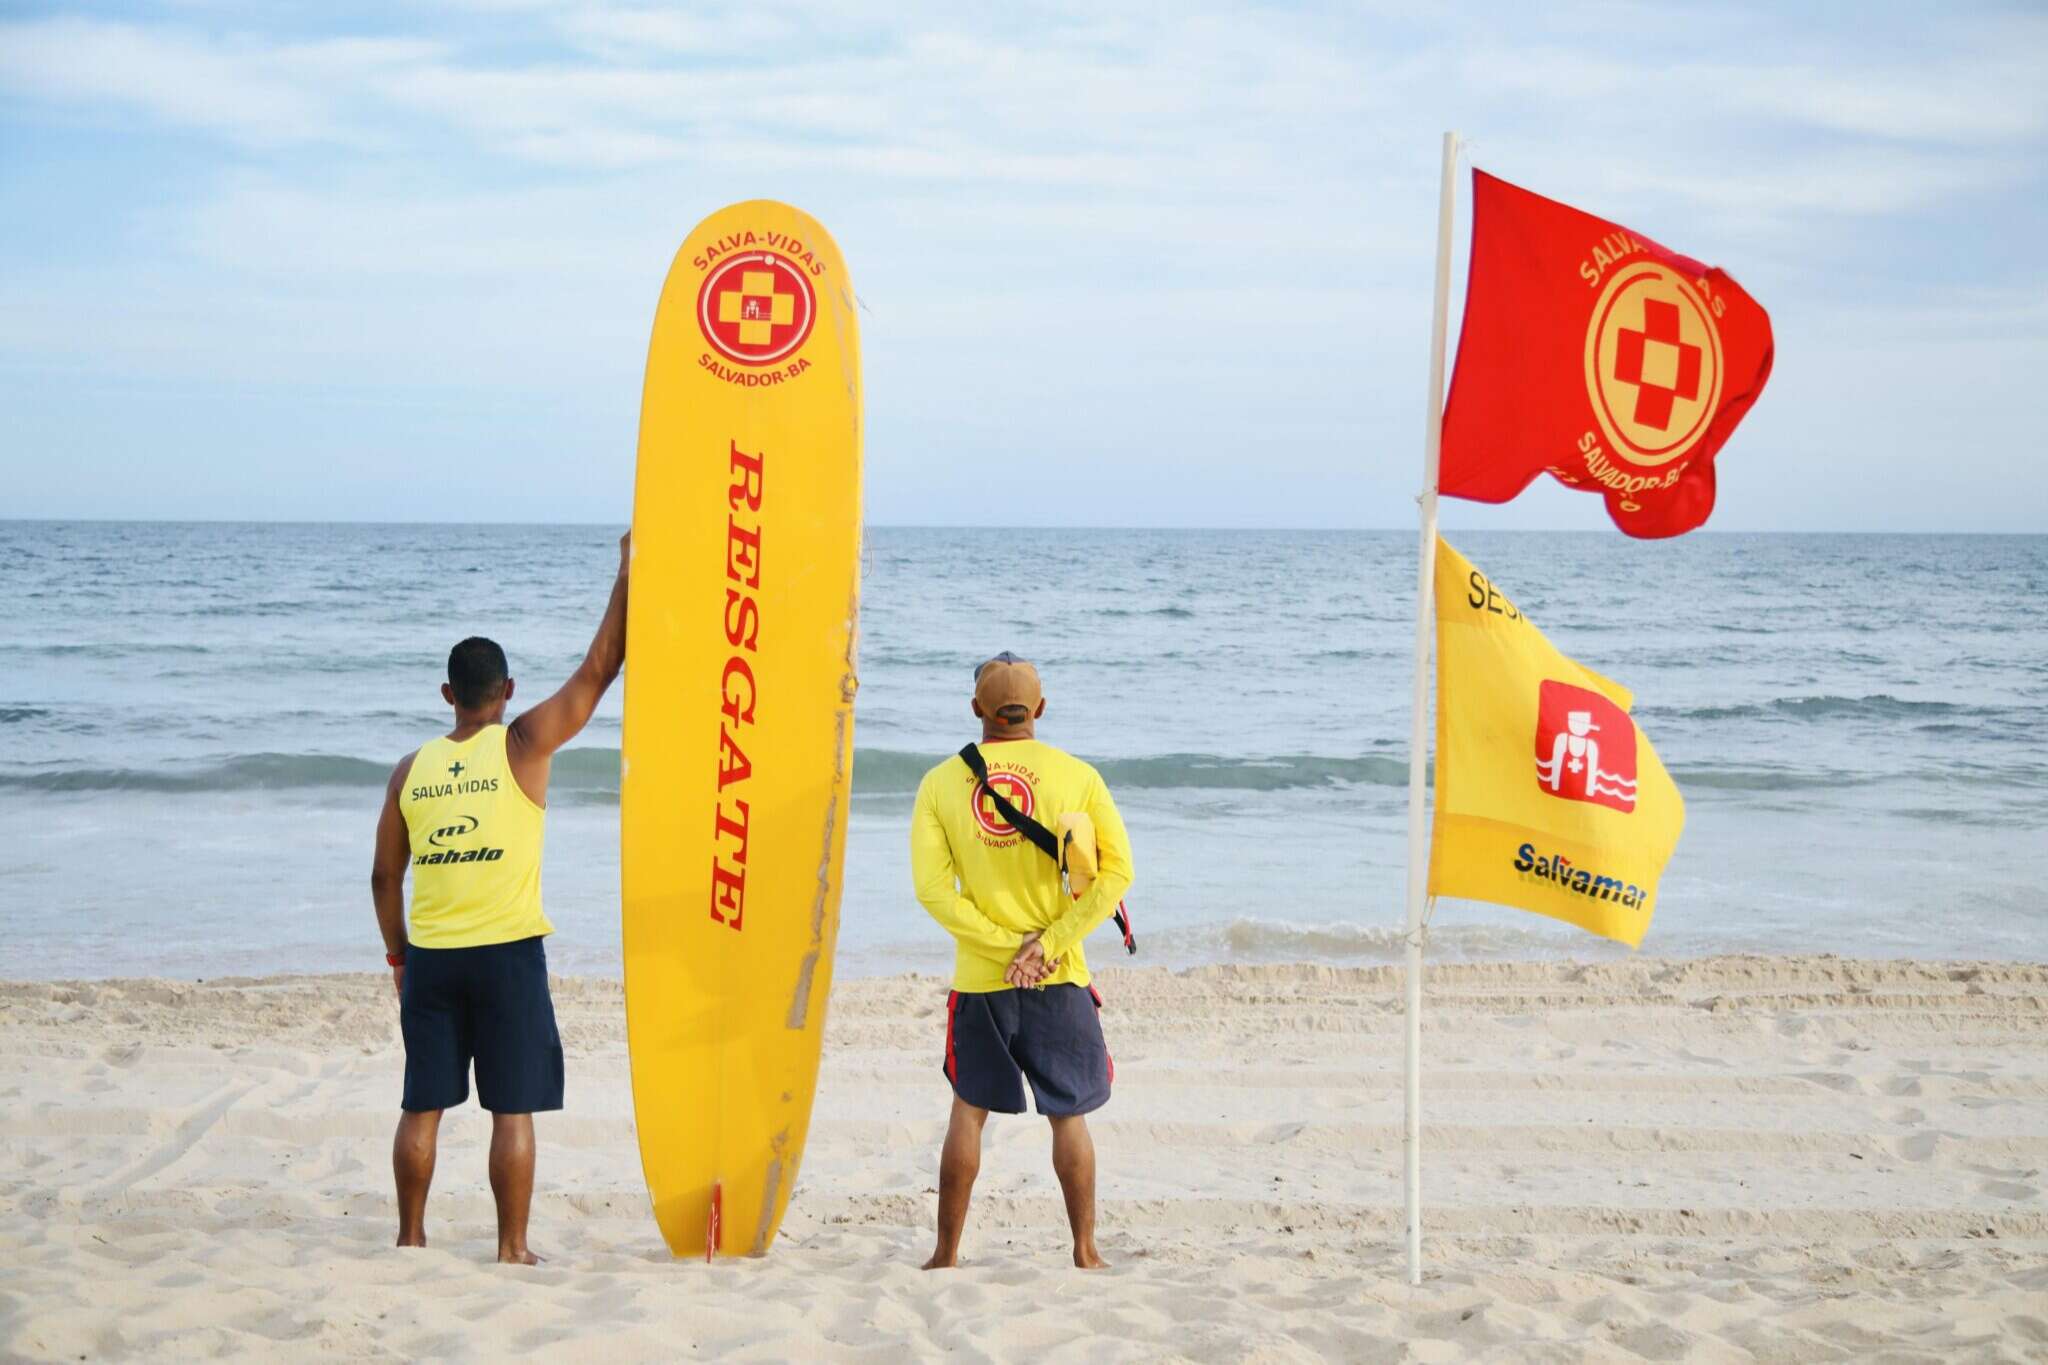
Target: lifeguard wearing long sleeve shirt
pixel 989 886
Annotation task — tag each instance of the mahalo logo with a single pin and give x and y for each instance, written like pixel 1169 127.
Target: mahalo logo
pixel 464 825
pixel 1015 790
pixel 757 307
pixel 444 839
pixel 1585 747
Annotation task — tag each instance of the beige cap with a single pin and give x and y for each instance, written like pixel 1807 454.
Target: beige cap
pixel 1007 680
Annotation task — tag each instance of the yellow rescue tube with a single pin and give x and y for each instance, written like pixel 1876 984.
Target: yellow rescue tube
pixel 1077 851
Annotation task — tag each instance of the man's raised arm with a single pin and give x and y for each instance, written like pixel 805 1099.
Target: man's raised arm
pixel 537 733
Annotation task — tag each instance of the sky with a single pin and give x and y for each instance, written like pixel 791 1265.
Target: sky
pixel 1160 265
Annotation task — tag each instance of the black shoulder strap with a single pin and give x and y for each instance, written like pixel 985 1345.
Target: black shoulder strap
pixel 1048 843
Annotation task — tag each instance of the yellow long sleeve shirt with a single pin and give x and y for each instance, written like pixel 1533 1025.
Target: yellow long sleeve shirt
pixel 989 885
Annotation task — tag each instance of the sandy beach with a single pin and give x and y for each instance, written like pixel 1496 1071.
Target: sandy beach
pixel 1779 1158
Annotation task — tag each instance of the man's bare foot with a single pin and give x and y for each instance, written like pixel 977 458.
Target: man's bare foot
pixel 520 1257
pixel 942 1261
pixel 1086 1258
pixel 417 1239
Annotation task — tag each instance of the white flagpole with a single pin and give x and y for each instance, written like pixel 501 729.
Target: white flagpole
pixel 1418 737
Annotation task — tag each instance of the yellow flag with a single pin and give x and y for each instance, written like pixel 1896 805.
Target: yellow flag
pixel 1548 795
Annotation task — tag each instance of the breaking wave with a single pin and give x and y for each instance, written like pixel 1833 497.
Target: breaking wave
pixel 244 772
pixel 1264 940
pixel 1879 706
pixel 595 772
pixel 591 775
pixel 879 771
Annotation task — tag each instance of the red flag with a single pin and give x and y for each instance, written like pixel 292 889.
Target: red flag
pixel 1593 353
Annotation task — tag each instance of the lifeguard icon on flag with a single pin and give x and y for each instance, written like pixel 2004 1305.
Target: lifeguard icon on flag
pixel 1585 747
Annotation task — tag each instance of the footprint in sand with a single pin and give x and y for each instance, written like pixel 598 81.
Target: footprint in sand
pixel 1920 1146
pixel 2009 1189
pixel 1837 1081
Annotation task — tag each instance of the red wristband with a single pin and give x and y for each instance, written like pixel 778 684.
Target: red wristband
pixel 394 959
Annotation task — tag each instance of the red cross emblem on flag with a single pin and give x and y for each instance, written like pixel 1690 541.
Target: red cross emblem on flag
pixel 756 308
pixel 1594 355
pixel 1661 364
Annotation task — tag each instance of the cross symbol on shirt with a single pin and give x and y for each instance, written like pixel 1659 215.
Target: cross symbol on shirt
pixel 455 769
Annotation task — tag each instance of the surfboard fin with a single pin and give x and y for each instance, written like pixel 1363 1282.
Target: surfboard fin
pixel 712 1227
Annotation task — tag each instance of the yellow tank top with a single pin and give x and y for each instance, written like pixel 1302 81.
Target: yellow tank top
pixel 476 841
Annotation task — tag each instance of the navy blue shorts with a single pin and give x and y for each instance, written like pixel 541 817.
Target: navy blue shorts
pixel 489 1005
pixel 1050 1037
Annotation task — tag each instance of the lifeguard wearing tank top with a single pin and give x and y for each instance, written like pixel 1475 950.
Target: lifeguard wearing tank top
pixel 476 842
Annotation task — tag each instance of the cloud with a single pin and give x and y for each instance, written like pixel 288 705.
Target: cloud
pixel 1993 98
pixel 627 34
pixel 1081 234
pixel 1067 104
pixel 260 93
pixel 363 229
pixel 1993 93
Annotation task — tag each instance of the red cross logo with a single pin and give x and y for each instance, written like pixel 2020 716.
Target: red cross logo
pixel 756 308
pixel 1015 790
pixel 1653 364
pixel 1663 367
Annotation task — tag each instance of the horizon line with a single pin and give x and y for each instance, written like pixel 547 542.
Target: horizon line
pixel 1019 526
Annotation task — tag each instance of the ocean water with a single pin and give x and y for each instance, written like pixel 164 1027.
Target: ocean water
pixel 196 720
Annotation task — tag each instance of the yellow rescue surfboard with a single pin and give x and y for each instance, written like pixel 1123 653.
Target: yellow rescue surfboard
pixel 738 750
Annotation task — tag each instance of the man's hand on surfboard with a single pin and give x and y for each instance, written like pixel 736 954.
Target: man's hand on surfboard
pixel 626 554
